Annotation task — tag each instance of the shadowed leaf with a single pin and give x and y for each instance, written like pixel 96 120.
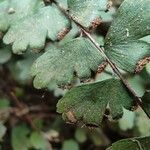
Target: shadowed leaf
pixel 87 103
pixel 141 143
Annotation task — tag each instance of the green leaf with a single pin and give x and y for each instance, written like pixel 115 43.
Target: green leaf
pixel 80 135
pixel 57 91
pixel 141 143
pixel 127 120
pixel 146 102
pixel 38 122
pixel 98 138
pixel 136 83
pixel 106 74
pixel 123 42
pixel 4 110
pixel 87 103
pixel 4 103
pixel 32 31
pixel 76 55
pixel 14 10
pixel 19 138
pixel 146 39
pixel 62 3
pixel 148 69
pixel 86 12
pixel 70 145
pixel 142 124
pixel 74 32
pixel 38 141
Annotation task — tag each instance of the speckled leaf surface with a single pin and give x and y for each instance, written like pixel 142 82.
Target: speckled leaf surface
pixel 13 10
pixel 87 103
pixel 62 3
pixel 86 11
pixel 146 102
pixel 141 143
pixel 32 31
pixel 60 62
pixel 123 42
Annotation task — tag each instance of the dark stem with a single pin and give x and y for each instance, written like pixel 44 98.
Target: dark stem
pixel 113 66
pixel 101 50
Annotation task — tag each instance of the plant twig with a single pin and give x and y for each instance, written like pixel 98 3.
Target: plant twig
pixel 113 66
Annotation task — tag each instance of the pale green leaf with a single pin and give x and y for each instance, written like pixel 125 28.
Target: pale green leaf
pixel 57 91
pixel 87 11
pixel 108 15
pixel 136 83
pixel 13 10
pixel 60 61
pixel 32 31
pixel 127 120
pixel 62 3
pixel 70 145
pixel 123 42
pixel 80 135
pixel 87 103
pixel 142 123
pixel 19 139
pixel 38 141
pixel 148 68
pixel 141 143
pixel 106 74
pixel 146 39
pixel 99 38
pixel 74 32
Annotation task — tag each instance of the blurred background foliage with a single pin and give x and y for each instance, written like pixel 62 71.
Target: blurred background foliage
pixel 28 118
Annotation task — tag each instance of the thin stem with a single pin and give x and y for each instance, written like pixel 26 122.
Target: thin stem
pixel 101 50
pixel 113 66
